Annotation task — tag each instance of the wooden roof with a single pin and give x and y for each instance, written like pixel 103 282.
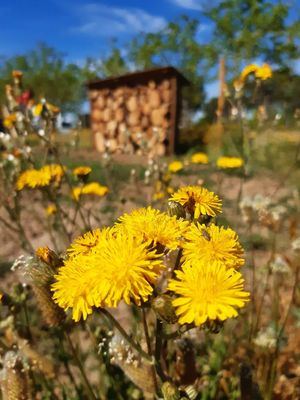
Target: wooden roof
pixel 138 77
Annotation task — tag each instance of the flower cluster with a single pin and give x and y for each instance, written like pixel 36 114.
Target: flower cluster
pixel 92 188
pixel 37 178
pixel 125 262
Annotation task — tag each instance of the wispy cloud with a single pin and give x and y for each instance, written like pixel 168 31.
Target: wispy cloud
pixel 102 20
pixel 188 4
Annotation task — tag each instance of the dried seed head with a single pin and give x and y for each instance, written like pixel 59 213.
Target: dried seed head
pixel 15 385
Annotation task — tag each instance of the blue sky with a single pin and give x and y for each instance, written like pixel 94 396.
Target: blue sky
pixel 81 28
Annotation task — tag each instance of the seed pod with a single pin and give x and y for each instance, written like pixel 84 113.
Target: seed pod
pixel 15 385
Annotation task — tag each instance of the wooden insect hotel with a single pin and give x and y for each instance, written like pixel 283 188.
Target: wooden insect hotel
pixel 137 113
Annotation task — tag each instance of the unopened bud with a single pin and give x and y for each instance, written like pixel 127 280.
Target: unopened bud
pixel 176 209
pixel 49 257
pixel 164 309
pixel 170 391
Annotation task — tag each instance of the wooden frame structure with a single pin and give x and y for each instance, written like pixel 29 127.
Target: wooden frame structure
pixel 138 112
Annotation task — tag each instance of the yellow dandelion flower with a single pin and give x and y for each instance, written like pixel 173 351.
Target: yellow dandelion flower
pixel 33 178
pixel 198 201
pixel 249 69
pixel 230 162
pixel 264 72
pixel 93 188
pixel 199 158
pixel 110 273
pixel 155 227
pixel 82 171
pixel 207 293
pixel 213 246
pixel 175 166
pixel 83 245
pixel 9 121
pixel 51 209
pixel 55 171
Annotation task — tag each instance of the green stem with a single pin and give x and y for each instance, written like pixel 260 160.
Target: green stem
pixel 87 385
pixel 148 342
pixel 122 331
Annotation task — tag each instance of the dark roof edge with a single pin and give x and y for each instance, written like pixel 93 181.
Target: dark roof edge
pixel 150 73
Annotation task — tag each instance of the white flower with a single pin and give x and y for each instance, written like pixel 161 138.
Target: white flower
pixel 41 132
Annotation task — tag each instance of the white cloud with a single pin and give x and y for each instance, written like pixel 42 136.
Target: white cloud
pixel 101 20
pixel 188 4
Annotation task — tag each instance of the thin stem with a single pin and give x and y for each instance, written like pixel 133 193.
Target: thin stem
pixel 122 331
pixel 148 342
pixel 81 369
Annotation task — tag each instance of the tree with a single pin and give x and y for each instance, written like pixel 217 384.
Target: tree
pixel 250 29
pixel 47 75
pixel 175 45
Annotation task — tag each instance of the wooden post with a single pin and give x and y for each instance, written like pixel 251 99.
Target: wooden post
pixel 173 116
pixel 221 98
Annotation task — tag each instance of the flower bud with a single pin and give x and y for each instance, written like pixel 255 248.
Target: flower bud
pixel 162 305
pixel 176 209
pixel 170 391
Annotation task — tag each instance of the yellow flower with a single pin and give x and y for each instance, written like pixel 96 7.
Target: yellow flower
pixel 82 171
pixel 93 188
pixel 230 162
pixel 155 227
pixel 207 293
pixel 83 245
pixel 33 178
pixel 55 171
pixel 249 69
pixel 38 108
pixel 198 201
pixel 213 246
pixel 264 72
pixel 175 166
pixel 120 267
pixel 199 158
pixel 158 196
pixel 10 120
pixel 51 209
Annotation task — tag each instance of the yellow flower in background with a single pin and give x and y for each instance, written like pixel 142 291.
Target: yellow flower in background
pixel 55 171
pixel 93 188
pixel 120 267
pixel 207 293
pixel 9 121
pixel 199 158
pixel 36 178
pixel 82 171
pixel 264 72
pixel 230 162
pixel 155 227
pixel 249 69
pixel 32 179
pixel 175 166
pixel 39 107
pixel 213 246
pixel 261 72
pixel 158 196
pixel 51 209
pixel 198 201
